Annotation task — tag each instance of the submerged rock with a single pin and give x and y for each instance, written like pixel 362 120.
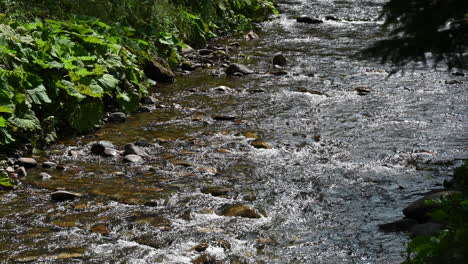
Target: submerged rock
pixel 224 118
pixel 48 164
pixel 44 176
pixel 238 68
pixel 201 247
pixel 421 209
pixel 100 229
pixel 205 259
pixel 398 226
pixel 61 196
pixel 117 117
pixel 330 17
pixel 362 90
pixel 260 144
pixel 27 162
pixel 280 60
pixel 240 210
pixel 217 191
pixel 308 20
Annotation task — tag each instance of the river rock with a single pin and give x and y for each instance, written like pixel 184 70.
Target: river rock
pixel 217 191
pixel 240 210
pixel 144 109
pixel 48 164
pixel 132 149
pixel 330 17
pixel 420 210
pixel 238 68
pixel 27 162
pixel 398 226
pixel 280 60
pixel 224 117
pixel 201 247
pixel 187 49
pixel 109 152
pixel 117 117
pixel 158 69
pixel 21 171
pixel 260 144
pixel 204 52
pixel 61 196
pixel 205 259
pixel 187 66
pixel 251 36
pixel 427 229
pixel 100 229
pixel 10 170
pixel 133 158
pixel 308 20
pixel 362 90
pixel 148 100
pixel 44 176
pixel 100 147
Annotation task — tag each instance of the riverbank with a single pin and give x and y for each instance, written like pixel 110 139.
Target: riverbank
pixel 63 74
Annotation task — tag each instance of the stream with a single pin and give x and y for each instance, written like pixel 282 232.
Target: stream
pixel 340 162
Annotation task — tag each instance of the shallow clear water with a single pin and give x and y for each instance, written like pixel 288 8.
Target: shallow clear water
pixel 340 163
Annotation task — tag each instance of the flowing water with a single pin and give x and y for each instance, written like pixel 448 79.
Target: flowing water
pixel 340 163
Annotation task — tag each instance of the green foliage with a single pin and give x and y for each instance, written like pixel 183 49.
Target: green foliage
pixel 450 245
pixel 63 70
pixel 5 182
pixel 416 27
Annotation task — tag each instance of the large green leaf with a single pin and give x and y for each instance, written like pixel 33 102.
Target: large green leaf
pixel 39 95
pixel 108 81
pixel 26 120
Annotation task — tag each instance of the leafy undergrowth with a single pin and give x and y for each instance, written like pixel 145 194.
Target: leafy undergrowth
pixel 60 74
pixel 451 244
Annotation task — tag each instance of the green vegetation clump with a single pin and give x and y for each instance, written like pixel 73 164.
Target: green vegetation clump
pixel 63 62
pixel 451 244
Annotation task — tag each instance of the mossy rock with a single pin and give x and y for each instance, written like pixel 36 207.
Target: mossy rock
pixel 240 210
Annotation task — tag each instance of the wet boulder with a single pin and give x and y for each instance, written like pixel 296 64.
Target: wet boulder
pixel 238 68
pixel 308 20
pixel 132 149
pixel 21 172
pixel 280 60
pixel 48 164
pixel 61 196
pixel 421 208
pixel 117 117
pixel 158 70
pixel 240 210
pixel 27 162
pixel 330 17
pixel 103 148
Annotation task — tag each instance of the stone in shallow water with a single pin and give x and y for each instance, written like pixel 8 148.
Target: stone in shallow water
pixel 100 229
pixel 420 210
pixel 100 146
pixel 61 196
pixel 240 210
pixel 308 20
pixel 132 149
pixel 27 162
pixel 280 60
pixel 260 144
pixel 238 68
pixel 132 158
pixel 117 117
pixel 48 164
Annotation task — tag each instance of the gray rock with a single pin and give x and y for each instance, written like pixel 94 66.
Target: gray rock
pixel 144 109
pixel 44 176
pixel 100 146
pixel 330 17
pixel 117 117
pixel 238 68
pixel 187 66
pixel 204 52
pixel 61 196
pixel 398 226
pixel 308 20
pixel 132 158
pixel 148 100
pixel 420 210
pixel 251 36
pixel 10 170
pixel 109 152
pixel 222 89
pixel 132 149
pixel 21 171
pixel 427 229
pixel 158 69
pixel 143 143
pixel 27 162
pixel 362 90
pixel 280 60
